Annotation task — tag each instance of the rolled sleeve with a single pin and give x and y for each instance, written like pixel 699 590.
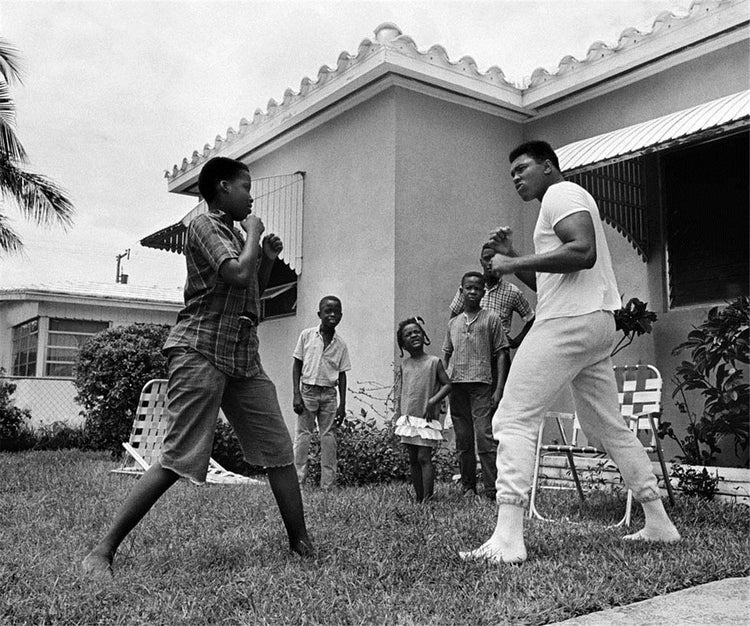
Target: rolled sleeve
pixel 213 240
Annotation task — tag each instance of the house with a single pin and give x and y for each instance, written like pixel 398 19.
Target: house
pixel 42 327
pixel 385 174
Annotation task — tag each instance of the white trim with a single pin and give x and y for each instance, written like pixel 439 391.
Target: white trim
pixel 608 85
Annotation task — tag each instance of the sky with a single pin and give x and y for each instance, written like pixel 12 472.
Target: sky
pixel 116 93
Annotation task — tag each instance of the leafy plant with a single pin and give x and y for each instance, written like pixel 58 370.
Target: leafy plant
pixel 634 319
pixel 12 419
pixel 111 369
pixel 717 347
pixel 694 483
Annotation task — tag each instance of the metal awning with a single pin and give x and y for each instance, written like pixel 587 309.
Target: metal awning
pixel 717 116
pixel 278 201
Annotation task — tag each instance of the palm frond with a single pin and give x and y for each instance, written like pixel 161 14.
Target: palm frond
pixel 9 241
pixel 37 197
pixel 10 146
pixel 10 62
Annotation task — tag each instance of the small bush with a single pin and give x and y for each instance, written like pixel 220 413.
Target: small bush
pixel 13 420
pixel 112 368
pixel 369 454
pixel 693 483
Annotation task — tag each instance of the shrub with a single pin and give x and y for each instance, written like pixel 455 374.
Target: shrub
pixel 111 369
pixel 693 483
pixel 13 420
pixel 368 453
pixel 716 348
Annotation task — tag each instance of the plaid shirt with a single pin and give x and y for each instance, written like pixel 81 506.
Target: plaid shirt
pixel 502 298
pixel 472 343
pixel 210 321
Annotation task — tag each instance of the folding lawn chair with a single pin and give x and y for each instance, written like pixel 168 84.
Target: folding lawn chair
pixel 639 394
pixel 149 428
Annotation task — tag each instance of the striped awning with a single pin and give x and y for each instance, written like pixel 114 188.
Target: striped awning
pixel 705 119
pixel 278 202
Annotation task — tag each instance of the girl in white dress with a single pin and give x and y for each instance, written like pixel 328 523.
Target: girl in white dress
pixel 421 385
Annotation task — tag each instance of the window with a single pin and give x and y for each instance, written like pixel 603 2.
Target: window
pixel 64 340
pixel 280 296
pixel 706 199
pixel 25 342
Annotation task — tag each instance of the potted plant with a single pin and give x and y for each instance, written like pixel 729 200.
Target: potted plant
pixel 718 350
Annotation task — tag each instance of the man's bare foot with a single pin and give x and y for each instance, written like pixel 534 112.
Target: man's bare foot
pixel 97 565
pixel 666 534
pixel 304 548
pixel 497 551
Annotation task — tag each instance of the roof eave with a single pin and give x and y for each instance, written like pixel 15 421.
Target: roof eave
pixel 638 56
pixel 363 81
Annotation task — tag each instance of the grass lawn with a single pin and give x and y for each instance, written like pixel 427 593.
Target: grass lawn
pixel 217 554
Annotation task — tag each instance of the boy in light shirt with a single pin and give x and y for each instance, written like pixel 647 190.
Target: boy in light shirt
pixel 321 360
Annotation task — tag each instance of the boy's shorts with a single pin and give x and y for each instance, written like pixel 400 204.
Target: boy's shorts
pixel 196 391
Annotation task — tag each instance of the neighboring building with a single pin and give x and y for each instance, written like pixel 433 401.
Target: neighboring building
pixel 404 155
pixel 42 327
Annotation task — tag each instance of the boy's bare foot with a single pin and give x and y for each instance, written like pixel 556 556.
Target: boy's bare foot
pixel 97 565
pixel 304 548
pixel 497 551
pixel 667 534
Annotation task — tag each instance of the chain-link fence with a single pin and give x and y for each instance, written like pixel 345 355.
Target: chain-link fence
pixel 48 399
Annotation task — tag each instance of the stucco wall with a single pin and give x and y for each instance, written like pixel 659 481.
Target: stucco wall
pixel 452 188
pixel 347 243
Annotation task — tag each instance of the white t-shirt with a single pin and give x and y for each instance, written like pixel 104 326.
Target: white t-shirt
pixel 575 293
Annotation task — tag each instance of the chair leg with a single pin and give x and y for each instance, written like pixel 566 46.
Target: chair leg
pixel 663 465
pixel 573 471
pixel 533 512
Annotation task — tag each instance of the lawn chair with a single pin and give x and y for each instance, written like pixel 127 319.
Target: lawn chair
pixel 639 394
pixel 149 428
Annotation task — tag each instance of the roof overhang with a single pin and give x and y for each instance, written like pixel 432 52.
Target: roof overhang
pixel 637 56
pixel 716 117
pixel 380 71
pixel 393 60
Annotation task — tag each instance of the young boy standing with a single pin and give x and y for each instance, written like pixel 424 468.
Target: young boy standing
pixel 320 363
pixel 475 339
pixel 214 363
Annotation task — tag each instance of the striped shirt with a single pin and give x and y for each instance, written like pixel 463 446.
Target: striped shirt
pixel 472 341
pixel 503 298
pixel 210 321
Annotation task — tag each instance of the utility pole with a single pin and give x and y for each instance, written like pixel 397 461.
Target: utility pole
pixel 122 278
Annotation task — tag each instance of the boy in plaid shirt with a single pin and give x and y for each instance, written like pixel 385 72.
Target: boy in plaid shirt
pixel 214 363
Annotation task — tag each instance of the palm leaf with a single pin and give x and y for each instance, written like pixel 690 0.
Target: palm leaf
pixel 10 62
pixel 10 145
pixel 9 240
pixel 37 197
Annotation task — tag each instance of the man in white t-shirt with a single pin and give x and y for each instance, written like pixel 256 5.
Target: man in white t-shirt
pixel 568 346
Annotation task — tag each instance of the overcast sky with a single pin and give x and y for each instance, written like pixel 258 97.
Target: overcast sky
pixel 115 93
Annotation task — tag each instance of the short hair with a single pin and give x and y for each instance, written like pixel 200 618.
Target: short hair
pixel 327 299
pixel 537 150
pixel 478 275
pixel 214 171
pixel 400 331
pixel 487 246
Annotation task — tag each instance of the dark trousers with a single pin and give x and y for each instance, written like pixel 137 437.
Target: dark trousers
pixel 471 412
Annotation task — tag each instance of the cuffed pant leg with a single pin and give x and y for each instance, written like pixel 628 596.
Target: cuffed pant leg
pixel 463 427
pixel 481 411
pixel 303 434
pixel 595 395
pixel 327 429
pixel 551 355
